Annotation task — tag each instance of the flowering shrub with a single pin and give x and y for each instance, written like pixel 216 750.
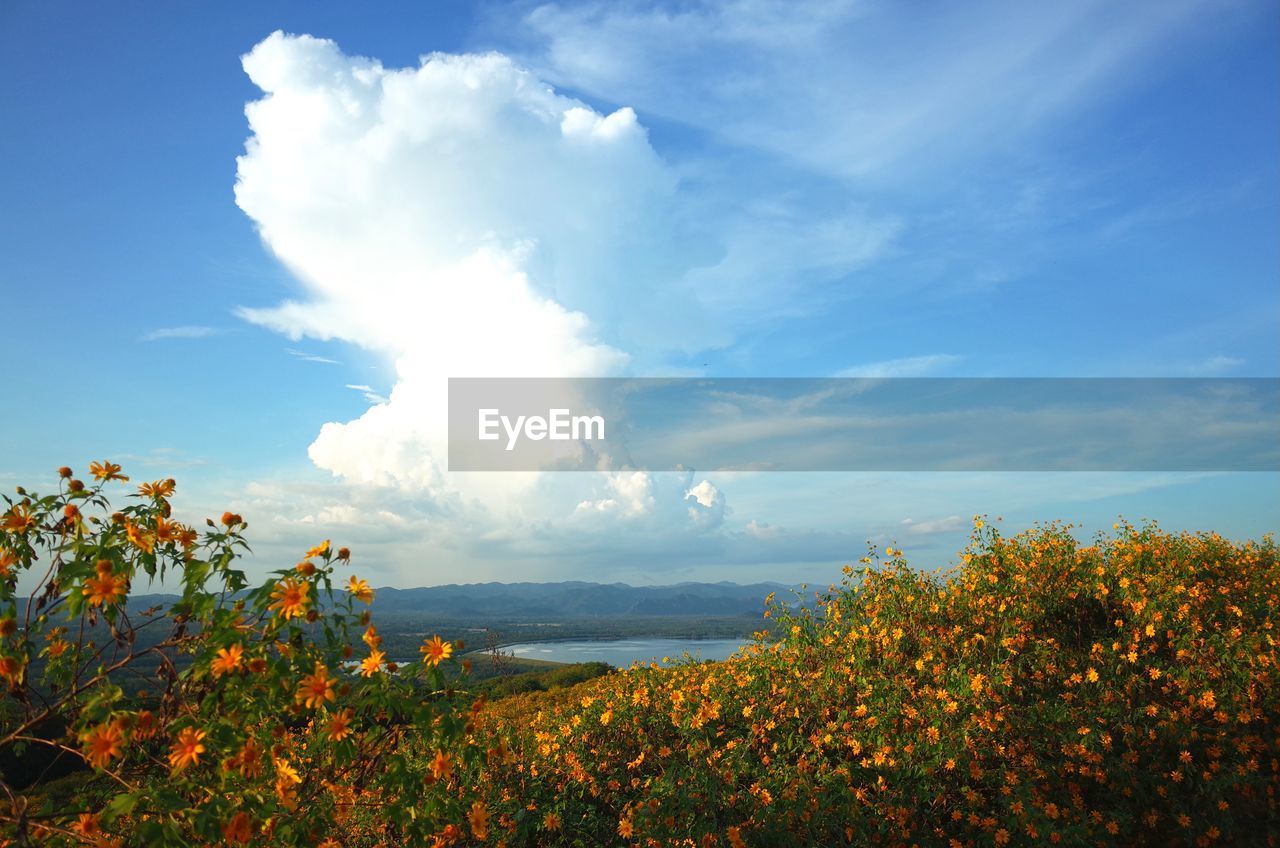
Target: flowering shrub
pixel 1046 692
pixel 248 717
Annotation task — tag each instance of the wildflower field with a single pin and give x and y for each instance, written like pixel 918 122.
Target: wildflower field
pixel 1044 691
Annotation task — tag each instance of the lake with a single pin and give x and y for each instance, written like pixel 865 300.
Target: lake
pixel 623 652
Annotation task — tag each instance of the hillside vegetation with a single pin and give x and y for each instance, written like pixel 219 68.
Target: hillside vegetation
pixel 1045 691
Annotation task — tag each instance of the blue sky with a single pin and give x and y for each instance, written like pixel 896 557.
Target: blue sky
pixel 740 189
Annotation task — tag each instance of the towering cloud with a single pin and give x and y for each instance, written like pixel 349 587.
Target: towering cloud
pixel 459 217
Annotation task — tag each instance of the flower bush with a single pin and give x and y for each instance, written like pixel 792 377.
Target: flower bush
pixel 231 715
pixel 1044 693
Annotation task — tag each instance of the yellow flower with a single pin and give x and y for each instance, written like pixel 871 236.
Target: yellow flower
pixel 434 651
pixel 158 488
pixel 106 471
pixel 286 773
pixel 318 551
pixel 187 748
pixel 290 598
pixel 551 821
pixel 340 725
pixel 316 688
pixel 371 664
pixel 105 588
pixel 227 660
pixel 479 819
pixel 360 590
pixel 1091 675
pixel 139 538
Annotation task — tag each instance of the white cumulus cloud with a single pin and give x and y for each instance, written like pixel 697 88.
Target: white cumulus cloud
pixel 459 217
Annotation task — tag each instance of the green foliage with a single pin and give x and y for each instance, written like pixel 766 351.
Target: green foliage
pixel 543 681
pixel 256 723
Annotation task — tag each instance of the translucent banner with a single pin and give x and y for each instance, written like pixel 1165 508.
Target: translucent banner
pixel 856 424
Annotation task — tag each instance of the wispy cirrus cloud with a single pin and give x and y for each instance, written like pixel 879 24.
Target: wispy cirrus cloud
pixel 311 357
pixel 369 393
pixel 850 87
pixel 189 331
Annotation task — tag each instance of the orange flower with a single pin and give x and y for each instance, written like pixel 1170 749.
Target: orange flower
pixel 104 589
pixel 626 829
pixel 88 825
pixel 167 531
pixel 227 661
pixel 287 778
pixel 139 537
pixel 479 819
pixel 11 670
pixel 238 831
pixel 290 598
pixel 735 838
pixel 360 590
pixel 249 761
pixel 158 488
pixel 371 637
pixel 106 471
pixel 340 725
pixel 103 744
pixel 18 519
pixel 372 663
pixel 551 821
pixel 187 748
pixel 441 766
pixel 144 725
pixel 7 560
pixel 315 689
pixel 434 651
pixel 318 551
